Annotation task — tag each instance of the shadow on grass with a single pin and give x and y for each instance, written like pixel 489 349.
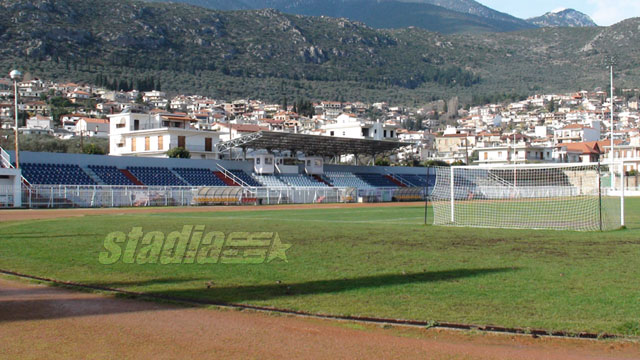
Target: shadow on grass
pixel 40 303
pixel 248 293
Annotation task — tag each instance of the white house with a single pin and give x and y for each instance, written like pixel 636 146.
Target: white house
pixel 519 154
pixel 40 122
pixel 134 134
pixel 350 126
pixel 92 127
pixel 576 133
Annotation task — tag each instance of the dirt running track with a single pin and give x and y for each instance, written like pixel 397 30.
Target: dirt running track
pixel 38 322
pixel 17 215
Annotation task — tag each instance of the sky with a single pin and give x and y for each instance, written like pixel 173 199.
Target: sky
pixel 603 12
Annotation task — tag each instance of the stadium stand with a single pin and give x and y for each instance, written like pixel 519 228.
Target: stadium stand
pixel 300 180
pixel 55 174
pixel 110 175
pixel 270 181
pixel 377 180
pixel 155 176
pixel 245 177
pixel 199 177
pixel 415 180
pixel 346 179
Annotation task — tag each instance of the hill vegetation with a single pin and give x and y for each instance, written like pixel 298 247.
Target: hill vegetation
pixel 447 17
pixel 269 55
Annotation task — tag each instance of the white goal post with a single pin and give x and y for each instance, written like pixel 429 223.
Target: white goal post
pixel 531 196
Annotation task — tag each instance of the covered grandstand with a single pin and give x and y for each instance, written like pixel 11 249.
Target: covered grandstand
pixel 77 180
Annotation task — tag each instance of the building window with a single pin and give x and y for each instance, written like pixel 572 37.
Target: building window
pixel 207 144
pixel 384 134
pixel 147 143
pixel 119 126
pixel 331 133
pixel 182 142
pixel 160 142
pixel 133 144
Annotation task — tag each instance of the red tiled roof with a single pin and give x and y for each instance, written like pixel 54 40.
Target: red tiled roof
pixel 95 121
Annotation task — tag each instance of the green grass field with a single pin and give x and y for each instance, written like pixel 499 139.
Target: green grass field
pixel 368 261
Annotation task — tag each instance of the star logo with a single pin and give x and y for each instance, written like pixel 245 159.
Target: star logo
pixel 278 250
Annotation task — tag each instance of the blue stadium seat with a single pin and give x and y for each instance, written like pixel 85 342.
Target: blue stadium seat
pixel 111 175
pixel 245 177
pixel 199 177
pixel 55 174
pixel 155 176
pixel 377 180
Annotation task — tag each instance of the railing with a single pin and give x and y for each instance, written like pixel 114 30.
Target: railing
pixel 233 177
pixel 5 161
pixel 58 196
pixel 61 196
pixel 401 181
pixel 6 196
pixel 498 179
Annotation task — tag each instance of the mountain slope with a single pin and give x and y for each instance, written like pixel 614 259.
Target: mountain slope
pixel 392 14
pixel 269 55
pixel 563 18
pixel 474 8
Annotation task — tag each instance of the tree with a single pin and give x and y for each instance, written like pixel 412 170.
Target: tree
pixel 382 161
pixel 179 153
pixel 92 149
pixel 436 163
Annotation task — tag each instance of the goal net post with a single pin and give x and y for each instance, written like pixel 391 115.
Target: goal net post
pixel 532 196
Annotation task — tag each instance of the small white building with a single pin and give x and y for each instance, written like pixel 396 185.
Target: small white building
pixel 576 133
pixel 39 122
pixel 133 134
pixel 521 153
pixel 350 126
pixel 92 127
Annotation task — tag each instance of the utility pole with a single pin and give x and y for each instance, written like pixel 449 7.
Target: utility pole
pixel 15 76
pixel 466 148
pixel 611 61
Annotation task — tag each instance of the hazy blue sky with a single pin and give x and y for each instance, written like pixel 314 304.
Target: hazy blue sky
pixel 603 12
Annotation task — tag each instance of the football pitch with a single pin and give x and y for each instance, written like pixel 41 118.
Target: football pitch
pixel 368 261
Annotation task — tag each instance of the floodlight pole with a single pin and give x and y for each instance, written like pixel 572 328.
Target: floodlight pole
pixel 613 154
pixel 15 76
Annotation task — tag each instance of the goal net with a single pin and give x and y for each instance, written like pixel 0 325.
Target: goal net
pixel 544 196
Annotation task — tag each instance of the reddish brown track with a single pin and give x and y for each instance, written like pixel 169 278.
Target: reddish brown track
pixel 37 214
pixel 54 323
